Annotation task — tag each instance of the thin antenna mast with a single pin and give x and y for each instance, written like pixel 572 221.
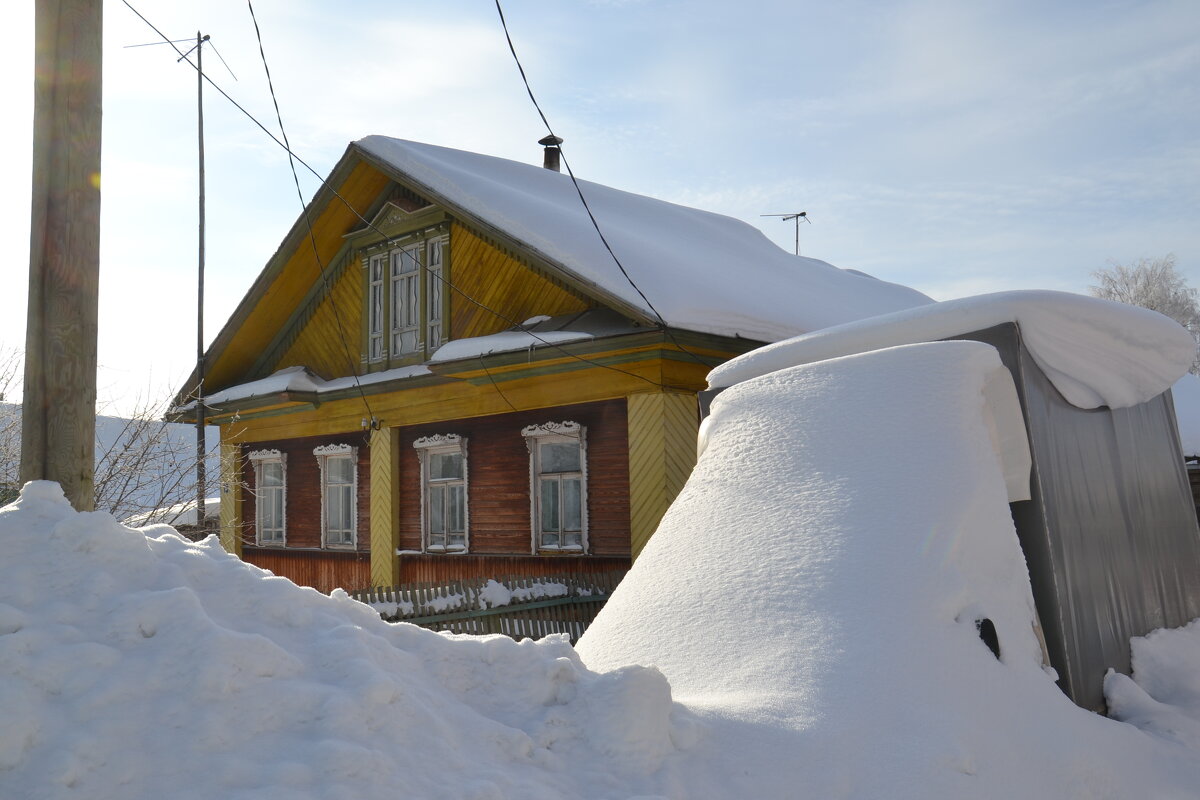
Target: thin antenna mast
pixel 201 455
pixel 800 215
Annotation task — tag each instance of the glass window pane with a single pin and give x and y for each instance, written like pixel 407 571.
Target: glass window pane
pixel 445 465
pixel 572 504
pixel 272 473
pixel 346 521
pixel 456 509
pixel 339 469
pixel 550 504
pixel 333 510
pixel 437 510
pixel 560 457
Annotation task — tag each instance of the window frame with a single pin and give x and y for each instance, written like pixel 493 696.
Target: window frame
pixel 259 458
pixel 383 303
pixel 550 432
pixel 323 454
pixel 440 444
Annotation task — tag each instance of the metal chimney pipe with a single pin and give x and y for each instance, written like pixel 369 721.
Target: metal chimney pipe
pixel 551 156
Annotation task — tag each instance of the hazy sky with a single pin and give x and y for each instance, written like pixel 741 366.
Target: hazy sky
pixel 956 147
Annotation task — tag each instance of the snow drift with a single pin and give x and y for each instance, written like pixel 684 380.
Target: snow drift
pixel 139 665
pixel 824 577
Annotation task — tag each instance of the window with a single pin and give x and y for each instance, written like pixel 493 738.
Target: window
pixel 406 299
pixel 443 492
pixel 558 486
pixel 339 506
pixel 270 495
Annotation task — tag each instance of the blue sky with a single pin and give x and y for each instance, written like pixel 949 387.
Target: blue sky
pixel 954 147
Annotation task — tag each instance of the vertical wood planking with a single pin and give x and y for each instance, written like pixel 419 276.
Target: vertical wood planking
pixel 231 498
pixel 384 531
pixel 662 453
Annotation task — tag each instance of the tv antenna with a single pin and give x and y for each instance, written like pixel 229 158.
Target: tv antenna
pixel 198 49
pixel 799 215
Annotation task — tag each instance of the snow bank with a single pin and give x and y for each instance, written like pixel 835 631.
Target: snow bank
pixel 816 594
pixel 1096 352
pixel 137 667
pixel 703 271
pixel 1163 697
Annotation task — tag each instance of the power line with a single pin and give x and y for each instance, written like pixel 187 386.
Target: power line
pixel 579 191
pixel 374 423
pixel 387 239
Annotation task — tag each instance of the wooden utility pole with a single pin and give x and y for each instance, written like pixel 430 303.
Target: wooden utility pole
pixel 58 425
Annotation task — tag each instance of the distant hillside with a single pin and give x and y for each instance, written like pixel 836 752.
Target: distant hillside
pixel 142 463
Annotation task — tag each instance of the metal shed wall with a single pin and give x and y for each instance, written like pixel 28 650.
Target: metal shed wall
pixel 1110 534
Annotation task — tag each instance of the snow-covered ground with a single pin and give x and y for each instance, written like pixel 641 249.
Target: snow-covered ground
pixel 805 623
pixel 809 607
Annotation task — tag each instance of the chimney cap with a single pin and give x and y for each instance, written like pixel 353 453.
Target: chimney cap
pixel 550 141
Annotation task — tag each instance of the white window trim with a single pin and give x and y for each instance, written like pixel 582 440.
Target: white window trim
pixel 257 458
pixel 323 453
pixel 566 430
pixel 443 443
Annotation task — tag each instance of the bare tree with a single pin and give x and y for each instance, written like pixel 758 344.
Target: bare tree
pixel 143 464
pixel 1153 283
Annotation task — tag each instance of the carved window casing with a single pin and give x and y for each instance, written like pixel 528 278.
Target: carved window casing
pixel 270 496
pixel 339 495
pixel 558 486
pixel 444 498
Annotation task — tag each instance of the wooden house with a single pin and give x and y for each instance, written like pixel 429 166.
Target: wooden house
pixel 445 371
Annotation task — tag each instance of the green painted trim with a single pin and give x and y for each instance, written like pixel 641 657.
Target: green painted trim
pixel 228 417
pixel 509 609
pixel 601 362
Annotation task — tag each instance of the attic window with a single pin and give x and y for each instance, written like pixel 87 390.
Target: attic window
pixel 406 309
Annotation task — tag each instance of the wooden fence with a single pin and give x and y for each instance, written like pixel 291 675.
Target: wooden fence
pixel 520 607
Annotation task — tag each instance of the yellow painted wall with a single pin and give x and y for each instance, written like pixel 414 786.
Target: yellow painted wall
pixel 296 277
pixel 662 453
pixel 384 520
pixel 329 344
pixel 231 500
pixel 500 282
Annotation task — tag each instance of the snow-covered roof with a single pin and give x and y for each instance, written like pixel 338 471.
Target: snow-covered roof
pixel 1096 352
pixel 300 379
pixel 701 271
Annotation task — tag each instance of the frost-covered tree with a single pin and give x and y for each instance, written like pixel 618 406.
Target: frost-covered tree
pixel 1153 283
pixel 142 462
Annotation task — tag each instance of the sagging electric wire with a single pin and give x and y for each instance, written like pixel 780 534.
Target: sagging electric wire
pixel 388 239
pixel 579 191
pixel 308 224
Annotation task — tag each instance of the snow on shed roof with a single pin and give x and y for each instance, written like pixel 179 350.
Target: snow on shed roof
pixel 702 271
pixel 1095 352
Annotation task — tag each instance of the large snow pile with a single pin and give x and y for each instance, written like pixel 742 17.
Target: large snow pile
pixel 1095 352
pixel 816 593
pixel 702 271
pixel 136 665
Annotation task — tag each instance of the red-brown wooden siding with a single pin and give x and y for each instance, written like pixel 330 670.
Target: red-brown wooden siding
pixel 421 567
pixel 303 560
pixel 321 569
pixel 498 479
